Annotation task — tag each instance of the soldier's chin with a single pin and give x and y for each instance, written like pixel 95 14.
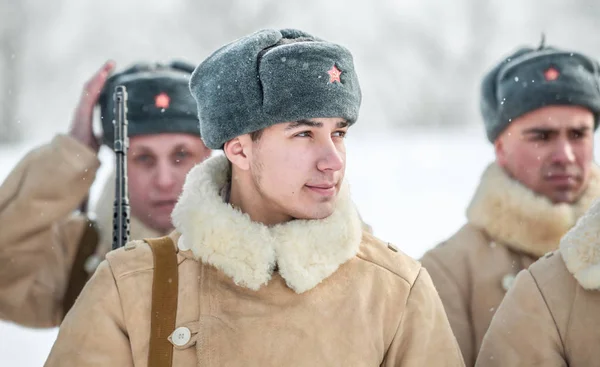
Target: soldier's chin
pixel 160 223
pixel 315 211
pixel 565 196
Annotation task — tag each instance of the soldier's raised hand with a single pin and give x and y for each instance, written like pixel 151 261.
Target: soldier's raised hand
pixel 82 123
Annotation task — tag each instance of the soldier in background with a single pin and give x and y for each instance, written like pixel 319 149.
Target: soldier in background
pixel 540 108
pixel 48 249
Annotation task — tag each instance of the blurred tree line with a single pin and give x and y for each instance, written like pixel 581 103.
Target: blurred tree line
pixel 420 63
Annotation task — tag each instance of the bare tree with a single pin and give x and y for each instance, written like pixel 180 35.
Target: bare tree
pixel 12 26
pixel 470 67
pixel 214 21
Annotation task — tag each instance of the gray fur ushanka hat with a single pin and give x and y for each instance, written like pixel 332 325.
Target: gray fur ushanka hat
pixel 269 77
pixel 533 78
pixel 158 100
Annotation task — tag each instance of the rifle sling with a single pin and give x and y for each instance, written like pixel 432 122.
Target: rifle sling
pixel 165 286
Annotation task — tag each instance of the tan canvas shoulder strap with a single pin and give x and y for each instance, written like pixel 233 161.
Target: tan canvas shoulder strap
pixel 165 286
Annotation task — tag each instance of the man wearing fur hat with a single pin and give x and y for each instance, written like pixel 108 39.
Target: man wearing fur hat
pixel 551 315
pixel 540 108
pixel 273 266
pixel 47 253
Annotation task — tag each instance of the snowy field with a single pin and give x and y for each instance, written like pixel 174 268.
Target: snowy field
pixel 412 187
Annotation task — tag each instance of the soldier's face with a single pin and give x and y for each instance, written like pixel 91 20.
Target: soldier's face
pixel 550 150
pixel 294 170
pixel 157 167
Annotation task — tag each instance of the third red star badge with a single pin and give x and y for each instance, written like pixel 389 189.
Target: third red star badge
pixel 162 100
pixel 551 74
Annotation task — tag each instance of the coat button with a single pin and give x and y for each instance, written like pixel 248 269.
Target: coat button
pixel 91 264
pixel 181 336
pixel 507 281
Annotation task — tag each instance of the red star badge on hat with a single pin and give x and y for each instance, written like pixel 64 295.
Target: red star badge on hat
pixel 334 74
pixel 551 74
pixel 162 100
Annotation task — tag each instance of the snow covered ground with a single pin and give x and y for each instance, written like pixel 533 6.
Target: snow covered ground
pixel 412 187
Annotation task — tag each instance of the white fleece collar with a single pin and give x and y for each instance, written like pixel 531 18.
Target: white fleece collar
pixel 580 249
pixel 305 251
pixel 519 218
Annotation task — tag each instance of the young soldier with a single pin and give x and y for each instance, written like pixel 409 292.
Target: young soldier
pixel 272 264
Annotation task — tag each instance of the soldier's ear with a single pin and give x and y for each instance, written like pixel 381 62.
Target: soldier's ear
pixel 500 151
pixel 239 151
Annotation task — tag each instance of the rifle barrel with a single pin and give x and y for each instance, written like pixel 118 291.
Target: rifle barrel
pixel 121 144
